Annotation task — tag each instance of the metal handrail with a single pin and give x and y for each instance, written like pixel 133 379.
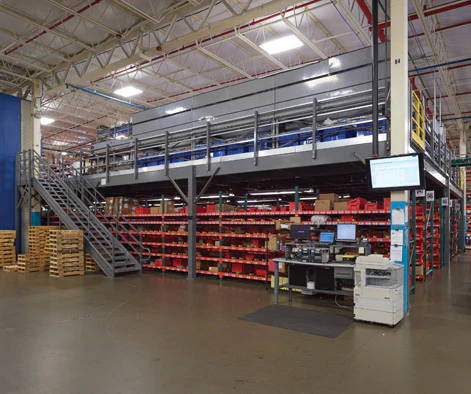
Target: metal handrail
pixel 44 171
pixel 92 195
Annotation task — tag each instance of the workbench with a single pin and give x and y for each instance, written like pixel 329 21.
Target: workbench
pixel 305 289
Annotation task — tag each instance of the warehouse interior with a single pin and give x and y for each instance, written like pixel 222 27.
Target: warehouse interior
pixel 244 196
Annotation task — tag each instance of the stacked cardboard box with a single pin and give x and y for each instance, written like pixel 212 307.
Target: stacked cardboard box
pixel 120 205
pixel 90 265
pixel 326 201
pixel 67 256
pixel 7 247
pixel 167 207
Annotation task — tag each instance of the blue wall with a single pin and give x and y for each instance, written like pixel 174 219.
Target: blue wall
pixel 10 143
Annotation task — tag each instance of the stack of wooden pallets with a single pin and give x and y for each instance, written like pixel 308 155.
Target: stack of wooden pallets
pixel 7 247
pixel 90 265
pixel 66 253
pixel 37 238
pixel 31 262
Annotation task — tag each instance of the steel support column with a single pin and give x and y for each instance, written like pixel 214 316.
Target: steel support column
pixel 446 229
pixel 400 121
pixel 191 196
pixel 375 77
pixel 463 153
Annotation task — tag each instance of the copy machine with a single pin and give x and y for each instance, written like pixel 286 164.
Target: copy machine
pixel 378 292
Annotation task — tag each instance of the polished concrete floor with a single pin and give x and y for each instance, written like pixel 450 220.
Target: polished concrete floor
pixel 159 333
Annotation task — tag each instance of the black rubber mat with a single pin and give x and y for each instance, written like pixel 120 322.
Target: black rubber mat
pixel 313 322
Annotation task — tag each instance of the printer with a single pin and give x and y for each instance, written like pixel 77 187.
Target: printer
pixel 378 292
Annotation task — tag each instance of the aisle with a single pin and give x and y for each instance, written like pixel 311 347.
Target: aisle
pixel 163 334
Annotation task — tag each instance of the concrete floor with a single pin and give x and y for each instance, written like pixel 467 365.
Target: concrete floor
pixel 162 334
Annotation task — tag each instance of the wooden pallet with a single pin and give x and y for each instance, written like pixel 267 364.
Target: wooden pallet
pixel 65 248
pixel 90 265
pixel 32 262
pixel 10 268
pixel 7 247
pixel 61 274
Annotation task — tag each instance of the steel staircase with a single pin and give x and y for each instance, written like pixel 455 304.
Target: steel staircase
pixel 78 204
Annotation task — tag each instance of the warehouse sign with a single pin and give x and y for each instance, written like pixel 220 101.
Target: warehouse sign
pixel 464 162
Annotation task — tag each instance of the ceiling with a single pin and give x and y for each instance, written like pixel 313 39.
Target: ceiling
pixel 175 49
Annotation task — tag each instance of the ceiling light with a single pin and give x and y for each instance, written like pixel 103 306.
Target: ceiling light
pixel 121 137
pixel 282 44
pixel 128 91
pixel 217 196
pixel 59 143
pixel 271 193
pixel 175 110
pixel 64 153
pixel 45 121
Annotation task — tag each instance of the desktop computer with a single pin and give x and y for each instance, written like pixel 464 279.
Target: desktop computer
pixel 346 232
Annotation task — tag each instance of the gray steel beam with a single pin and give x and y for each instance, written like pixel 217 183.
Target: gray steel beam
pixel 375 77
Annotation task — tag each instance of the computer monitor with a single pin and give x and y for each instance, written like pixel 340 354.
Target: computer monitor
pixel 346 232
pixel 400 172
pixel 326 237
pixel 300 231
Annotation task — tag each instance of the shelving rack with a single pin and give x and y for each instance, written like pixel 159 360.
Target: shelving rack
pixel 455 219
pixel 425 236
pixel 222 245
pixel 468 208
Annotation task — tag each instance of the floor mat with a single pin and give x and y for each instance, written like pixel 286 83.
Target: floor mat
pixel 313 322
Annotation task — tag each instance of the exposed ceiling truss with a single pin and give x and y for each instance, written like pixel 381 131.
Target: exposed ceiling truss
pixel 175 49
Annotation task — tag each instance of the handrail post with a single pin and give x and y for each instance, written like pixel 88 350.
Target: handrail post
pixel 314 129
pixel 107 163
pixel 166 153
pixel 136 168
pixel 208 145
pixel 255 139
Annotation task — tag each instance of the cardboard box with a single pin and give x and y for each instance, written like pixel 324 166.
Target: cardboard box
pixel 295 219
pixel 109 203
pixel 329 196
pixel 155 210
pixel 168 208
pixel 213 269
pixel 323 205
pixel 281 224
pixel 272 243
pixel 341 205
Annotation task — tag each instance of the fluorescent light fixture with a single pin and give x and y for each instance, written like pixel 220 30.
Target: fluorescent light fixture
pixel 121 137
pixel 308 198
pixel 282 44
pixel 59 143
pixel 64 153
pixel 271 193
pixel 255 201
pixel 217 196
pixel 175 110
pixel 128 91
pixel 280 192
pixel 45 121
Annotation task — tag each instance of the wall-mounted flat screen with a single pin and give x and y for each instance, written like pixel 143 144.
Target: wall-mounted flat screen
pixel 402 172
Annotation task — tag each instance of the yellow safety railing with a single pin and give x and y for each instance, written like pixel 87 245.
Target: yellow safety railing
pixel 417 121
